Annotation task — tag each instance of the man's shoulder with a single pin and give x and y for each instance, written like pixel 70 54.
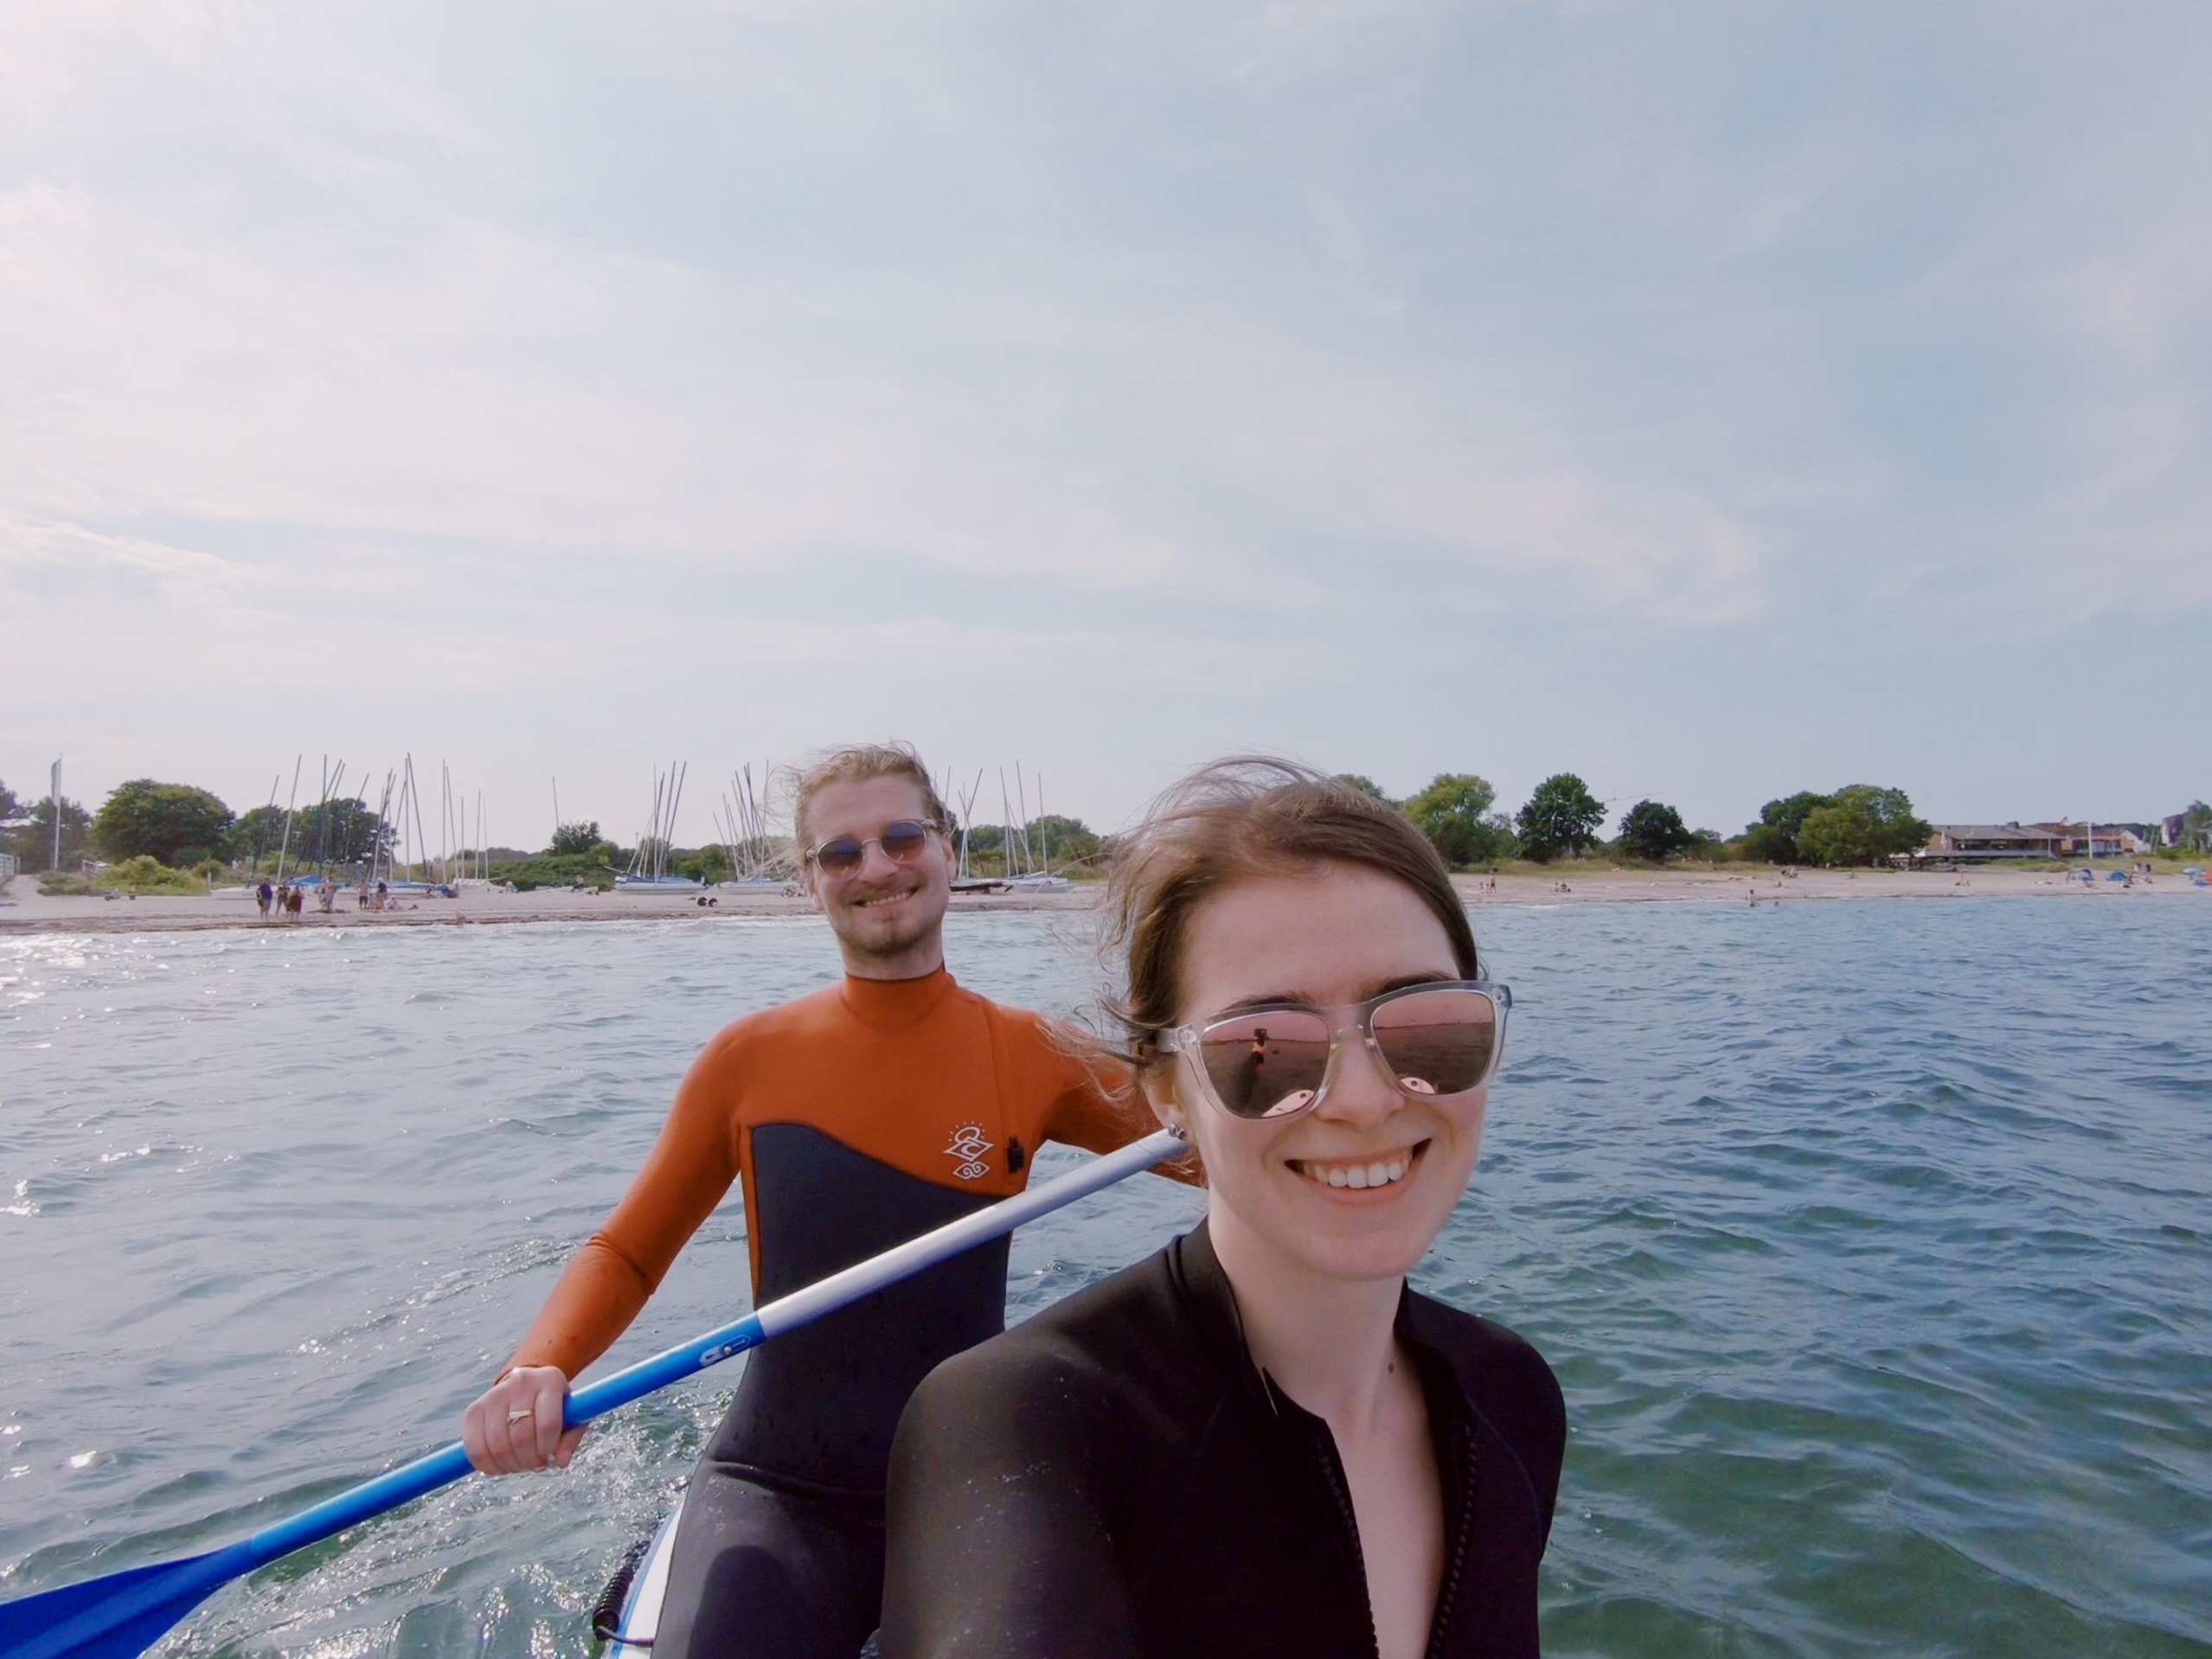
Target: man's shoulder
pixel 1005 1015
pixel 1061 1047
pixel 814 1013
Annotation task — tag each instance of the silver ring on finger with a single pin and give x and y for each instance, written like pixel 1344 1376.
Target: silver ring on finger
pixel 514 1418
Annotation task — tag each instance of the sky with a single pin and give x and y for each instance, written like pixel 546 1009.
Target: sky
pixel 1715 401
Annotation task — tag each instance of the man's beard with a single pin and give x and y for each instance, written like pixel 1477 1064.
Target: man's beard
pixel 894 938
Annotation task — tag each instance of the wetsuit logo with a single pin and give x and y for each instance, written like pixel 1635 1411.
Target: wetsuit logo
pixel 968 1145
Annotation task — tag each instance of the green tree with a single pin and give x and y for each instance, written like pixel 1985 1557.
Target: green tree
pixel 329 832
pixel 31 839
pixel 570 838
pixel 1366 786
pixel 985 844
pixel 1561 816
pixel 1069 840
pixel 1654 832
pixel 1774 839
pixel 1863 825
pixel 2196 827
pixel 260 830
pixel 1449 812
pixel 710 863
pixel 159 821
pixel 10 810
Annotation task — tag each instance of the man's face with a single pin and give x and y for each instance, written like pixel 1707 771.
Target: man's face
pixel 887 914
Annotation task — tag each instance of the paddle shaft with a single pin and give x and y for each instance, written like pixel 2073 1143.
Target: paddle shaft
pixel 195 1577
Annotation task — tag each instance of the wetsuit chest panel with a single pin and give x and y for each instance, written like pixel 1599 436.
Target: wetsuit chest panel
pixel 1114 1477
pixel 818 1405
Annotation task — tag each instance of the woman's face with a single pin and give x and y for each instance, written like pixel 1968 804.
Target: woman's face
pixel 1338 936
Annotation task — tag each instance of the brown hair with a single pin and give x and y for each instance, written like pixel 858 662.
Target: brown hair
pixel 856 763
pixel 1247 815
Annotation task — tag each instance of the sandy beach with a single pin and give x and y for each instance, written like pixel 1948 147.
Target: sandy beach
pixel 26 911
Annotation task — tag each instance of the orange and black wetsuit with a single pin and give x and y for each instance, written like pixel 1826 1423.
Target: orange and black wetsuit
pixel 856 1118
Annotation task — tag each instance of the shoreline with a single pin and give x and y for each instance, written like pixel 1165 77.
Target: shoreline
pixel 30 911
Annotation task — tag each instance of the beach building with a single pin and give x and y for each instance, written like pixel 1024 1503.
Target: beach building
pixel 11 868
pixel 1979 842
pixel 2101 841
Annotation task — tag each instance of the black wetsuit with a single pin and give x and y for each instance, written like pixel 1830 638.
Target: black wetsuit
pixel 858 1116
pixel 781 1547
pixel 1116 1478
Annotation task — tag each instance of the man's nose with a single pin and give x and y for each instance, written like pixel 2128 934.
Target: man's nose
pixel 874 863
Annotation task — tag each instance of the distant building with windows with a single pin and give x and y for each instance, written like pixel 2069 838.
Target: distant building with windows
pixel 2104 840
pixel 11 868
pixel 1978 843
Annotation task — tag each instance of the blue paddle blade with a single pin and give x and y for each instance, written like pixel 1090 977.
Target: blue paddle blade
pixel 119 1616
pixel 122 1615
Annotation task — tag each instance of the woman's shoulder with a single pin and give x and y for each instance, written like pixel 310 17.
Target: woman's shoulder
pixel 1121 1342
pixel 1507 1382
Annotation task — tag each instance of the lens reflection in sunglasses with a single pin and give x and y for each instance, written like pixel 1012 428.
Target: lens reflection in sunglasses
pixel 900 842
pixel 1272 1063
pixel 1437 1041
pixel 1266 1065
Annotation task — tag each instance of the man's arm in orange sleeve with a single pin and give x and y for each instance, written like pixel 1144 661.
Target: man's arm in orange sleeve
pixel 605 1282
pixel 1101 1108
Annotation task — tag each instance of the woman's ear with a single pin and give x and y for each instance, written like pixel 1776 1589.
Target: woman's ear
pixel 1160 1095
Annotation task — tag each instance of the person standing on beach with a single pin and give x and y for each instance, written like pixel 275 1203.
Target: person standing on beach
pixel 856 1117
pixel 264 894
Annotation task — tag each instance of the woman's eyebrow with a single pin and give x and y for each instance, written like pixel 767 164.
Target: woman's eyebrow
pixel 1406 982
pixel 1403 982
pixel 1267 999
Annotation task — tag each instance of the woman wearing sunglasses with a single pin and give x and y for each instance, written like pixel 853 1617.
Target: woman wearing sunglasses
pixel 1259 1440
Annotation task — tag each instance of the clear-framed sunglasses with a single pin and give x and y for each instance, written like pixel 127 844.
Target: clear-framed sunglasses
pixel 901 841
pixel 1279 1059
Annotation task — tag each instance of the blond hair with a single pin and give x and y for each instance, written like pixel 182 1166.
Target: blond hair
pixel 856 763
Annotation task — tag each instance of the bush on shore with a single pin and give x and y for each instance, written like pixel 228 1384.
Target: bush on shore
pixel 556 870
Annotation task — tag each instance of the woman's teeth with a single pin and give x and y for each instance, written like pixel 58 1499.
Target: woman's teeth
pixel 1379 1174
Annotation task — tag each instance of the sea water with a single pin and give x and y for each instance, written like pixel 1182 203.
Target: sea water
pixel 1872 1243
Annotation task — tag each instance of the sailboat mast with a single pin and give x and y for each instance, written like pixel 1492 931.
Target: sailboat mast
pixel 289 804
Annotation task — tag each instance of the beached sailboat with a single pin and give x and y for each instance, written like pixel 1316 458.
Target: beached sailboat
pixel 649 873
pixel 758 860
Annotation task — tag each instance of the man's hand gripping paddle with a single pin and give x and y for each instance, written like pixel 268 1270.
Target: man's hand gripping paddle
pixel 125 1613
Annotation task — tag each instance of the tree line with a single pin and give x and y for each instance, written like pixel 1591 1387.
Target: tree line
pixel 1860 823
pixel 181 827
pixel 184 827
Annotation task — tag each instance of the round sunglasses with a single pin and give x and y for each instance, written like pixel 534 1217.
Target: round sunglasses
pixel 1278 1059
pixel 901 841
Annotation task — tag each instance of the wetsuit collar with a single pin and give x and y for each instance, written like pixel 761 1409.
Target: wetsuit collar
pixel 895 1004
pixel 1212 1303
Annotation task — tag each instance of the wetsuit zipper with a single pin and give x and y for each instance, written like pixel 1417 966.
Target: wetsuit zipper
pixel 1462 1534
pixel 1332 1476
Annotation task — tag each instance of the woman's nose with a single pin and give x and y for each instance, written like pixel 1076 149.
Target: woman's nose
pixel 1359 1093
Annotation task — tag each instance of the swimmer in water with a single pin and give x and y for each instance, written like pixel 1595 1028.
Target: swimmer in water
pixel 1259 1440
